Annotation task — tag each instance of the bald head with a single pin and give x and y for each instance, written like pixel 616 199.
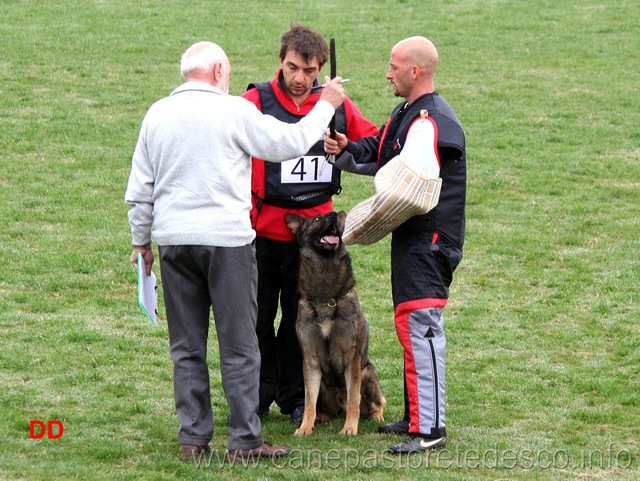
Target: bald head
pixel 413 64
pixel 421 52
pixel 206 62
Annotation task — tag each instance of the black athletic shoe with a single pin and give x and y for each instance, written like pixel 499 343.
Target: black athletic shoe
pixel 399 427
pixel 416 444
pixel 297 414
pixel 262 412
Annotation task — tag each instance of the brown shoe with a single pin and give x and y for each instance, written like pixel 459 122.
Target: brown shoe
pixel 188 451
pixel 267 450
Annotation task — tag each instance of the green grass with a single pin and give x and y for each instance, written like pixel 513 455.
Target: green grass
pixel 543 342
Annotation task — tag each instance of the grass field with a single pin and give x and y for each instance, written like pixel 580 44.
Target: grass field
pixel 543 375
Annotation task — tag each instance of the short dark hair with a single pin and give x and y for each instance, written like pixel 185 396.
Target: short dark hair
pixel 306 43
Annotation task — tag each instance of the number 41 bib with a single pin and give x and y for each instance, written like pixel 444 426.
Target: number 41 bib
pixel 308 169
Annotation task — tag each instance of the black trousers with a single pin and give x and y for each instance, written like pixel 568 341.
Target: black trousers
pixel 421 273
pixel 281 378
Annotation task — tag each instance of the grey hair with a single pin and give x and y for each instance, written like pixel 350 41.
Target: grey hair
pixel 201 55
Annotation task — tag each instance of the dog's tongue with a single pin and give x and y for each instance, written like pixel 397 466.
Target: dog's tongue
pixel 330 239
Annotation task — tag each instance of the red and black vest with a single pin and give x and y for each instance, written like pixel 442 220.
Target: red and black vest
pixel 447 220
pixel 304 182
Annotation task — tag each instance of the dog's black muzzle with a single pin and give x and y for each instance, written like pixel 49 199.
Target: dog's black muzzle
pixel 329 234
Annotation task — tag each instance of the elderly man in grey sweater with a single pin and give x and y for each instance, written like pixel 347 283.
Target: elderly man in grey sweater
pixel 189 189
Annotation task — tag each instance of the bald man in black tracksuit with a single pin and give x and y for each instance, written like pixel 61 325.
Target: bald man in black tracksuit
pixel 425 249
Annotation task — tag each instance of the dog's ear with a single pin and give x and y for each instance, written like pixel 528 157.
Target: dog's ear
pixel 294 221
pixel 342 216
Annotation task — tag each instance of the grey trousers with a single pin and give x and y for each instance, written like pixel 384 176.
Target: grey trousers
pixel 420 328
pixel 194 279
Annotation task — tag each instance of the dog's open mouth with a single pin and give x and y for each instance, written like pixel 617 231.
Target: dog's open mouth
pixel 329 239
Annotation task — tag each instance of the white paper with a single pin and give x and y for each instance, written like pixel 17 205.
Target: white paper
pixel 147 291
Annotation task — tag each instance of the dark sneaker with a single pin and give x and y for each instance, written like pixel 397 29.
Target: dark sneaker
pixel 415 444
pixel 262 412
pixel 399 427
pixel 297 414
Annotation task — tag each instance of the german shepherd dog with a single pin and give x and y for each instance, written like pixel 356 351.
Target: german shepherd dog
pixel 333 333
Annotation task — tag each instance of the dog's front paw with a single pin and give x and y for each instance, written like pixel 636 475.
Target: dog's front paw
pixel 303 430
pixel 349 430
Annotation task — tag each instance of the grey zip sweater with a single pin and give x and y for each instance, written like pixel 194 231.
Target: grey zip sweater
pixel 191 170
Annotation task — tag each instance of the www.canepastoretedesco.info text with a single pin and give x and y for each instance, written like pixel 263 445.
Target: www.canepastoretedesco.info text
pixel 345 460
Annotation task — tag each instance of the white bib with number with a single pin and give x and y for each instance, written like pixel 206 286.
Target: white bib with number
pixel 306 170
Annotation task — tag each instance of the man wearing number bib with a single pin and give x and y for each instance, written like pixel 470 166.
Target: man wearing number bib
pixel 303 186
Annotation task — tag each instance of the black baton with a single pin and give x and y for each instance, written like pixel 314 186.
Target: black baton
pixel 332 125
